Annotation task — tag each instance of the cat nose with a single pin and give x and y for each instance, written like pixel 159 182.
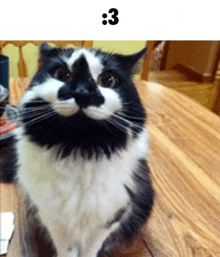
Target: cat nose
pixel 81 91
pixel 83 96
pixel 86 96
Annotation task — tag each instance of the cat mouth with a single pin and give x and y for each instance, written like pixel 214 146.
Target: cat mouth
pixel 70 108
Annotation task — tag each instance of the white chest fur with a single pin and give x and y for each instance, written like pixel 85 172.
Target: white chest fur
pixel 78 193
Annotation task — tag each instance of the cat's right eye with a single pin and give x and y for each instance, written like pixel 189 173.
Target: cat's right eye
pixel 62 74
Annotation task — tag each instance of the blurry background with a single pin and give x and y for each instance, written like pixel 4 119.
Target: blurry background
pixel 30 53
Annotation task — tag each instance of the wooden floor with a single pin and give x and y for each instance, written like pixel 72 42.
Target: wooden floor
pixel 185 170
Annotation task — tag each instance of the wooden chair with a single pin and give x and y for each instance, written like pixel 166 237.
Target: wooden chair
pixel 207 52
pixel 147 59
pixel 190 67
pixel 22 65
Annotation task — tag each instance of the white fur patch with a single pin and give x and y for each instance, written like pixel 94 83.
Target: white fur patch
pixel 94 63
pixel 76 198
pixel 47 91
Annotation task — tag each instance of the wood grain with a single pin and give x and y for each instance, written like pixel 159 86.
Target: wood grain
pixel 185 166
pixel 204 93
pixel 7 198
pixel 184 161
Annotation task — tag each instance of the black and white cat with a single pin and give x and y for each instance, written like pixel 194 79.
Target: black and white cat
pixel 80 150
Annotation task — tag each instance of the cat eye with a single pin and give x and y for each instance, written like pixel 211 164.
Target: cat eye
pixel 107 79
pixel 62 74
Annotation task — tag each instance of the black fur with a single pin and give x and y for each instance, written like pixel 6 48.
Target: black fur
pixel 76 133
pixel 8 158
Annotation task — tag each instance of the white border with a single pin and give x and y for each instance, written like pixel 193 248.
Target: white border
pixel 82 20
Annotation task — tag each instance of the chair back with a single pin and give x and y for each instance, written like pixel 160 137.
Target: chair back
pixel 23 55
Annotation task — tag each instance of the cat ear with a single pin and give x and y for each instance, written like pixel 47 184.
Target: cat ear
pixel 45 48
pixel 45 52
pixel 131 63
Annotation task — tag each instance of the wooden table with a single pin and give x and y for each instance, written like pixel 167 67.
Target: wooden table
pixel 185 164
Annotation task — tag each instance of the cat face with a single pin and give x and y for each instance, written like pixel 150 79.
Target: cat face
pixel 85 92
pixel 81 80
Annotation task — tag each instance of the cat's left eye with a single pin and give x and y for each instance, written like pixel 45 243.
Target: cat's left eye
pixel 62 74
pixel 107 79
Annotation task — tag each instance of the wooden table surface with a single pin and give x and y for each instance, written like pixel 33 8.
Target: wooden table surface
pixel 185 165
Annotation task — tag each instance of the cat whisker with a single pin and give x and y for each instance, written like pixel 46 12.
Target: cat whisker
pixel 106 125
pixel 129 102
pixel 25 113
pixel 32 115
pixel 132 117
pixel 133 111
pixel 39 118
pixel 114 121
pixel 153 125
pixel 118 125
pixel 159 124
pixel 128 121
pixel 32 109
